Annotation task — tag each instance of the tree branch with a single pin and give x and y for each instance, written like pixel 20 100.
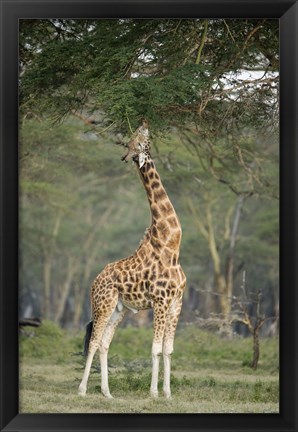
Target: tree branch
pixel 203 40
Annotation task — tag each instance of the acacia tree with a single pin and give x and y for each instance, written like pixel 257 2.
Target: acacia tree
pixel 174 72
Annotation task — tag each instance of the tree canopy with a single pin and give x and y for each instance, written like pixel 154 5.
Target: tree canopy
pixel 217 74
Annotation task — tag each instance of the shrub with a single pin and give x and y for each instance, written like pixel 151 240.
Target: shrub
pixel 46 342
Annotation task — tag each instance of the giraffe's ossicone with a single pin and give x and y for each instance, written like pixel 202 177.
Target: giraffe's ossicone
pixel 150 278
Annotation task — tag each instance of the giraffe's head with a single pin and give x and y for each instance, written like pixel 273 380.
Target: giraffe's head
pixel 138 148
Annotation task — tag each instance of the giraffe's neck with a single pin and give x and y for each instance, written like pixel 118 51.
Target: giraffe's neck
pixel 165 226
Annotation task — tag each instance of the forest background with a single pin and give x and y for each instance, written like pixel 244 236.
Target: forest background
pixel 209 89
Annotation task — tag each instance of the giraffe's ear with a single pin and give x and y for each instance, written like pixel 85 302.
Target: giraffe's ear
pixel 142 158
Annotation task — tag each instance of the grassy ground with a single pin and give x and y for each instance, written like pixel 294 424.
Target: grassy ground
pixel 209 374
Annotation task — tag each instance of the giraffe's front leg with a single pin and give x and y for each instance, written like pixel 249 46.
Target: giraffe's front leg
pixel 159 327
pixel 156 352
pixel 168 343
pixel 167 352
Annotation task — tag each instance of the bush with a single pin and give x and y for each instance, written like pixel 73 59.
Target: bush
pixel 46 342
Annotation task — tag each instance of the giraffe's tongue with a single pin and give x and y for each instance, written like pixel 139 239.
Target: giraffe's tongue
pixel 124 158
pixel 130 154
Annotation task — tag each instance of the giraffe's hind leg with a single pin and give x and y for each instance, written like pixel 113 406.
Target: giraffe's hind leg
pixel 83 385
pixel 168 343
pixel 100 320
pixel 107 337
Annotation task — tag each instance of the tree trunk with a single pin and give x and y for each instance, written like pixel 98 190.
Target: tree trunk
pixel 256 349
pixel 230 258
pixel 221 289
pixel 48 247
pixel 210 303
pixel 46 303
pixel 80 292
pixel 63 295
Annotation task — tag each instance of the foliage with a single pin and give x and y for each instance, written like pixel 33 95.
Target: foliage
pixel 131 349
pixel 174 72
pixel 46 343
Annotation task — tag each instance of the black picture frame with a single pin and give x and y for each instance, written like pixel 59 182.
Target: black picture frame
pixel 11 11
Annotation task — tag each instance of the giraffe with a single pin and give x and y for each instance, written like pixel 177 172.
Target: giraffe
pixel 150 278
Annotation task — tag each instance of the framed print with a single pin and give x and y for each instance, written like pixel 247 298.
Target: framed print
pixel 173 118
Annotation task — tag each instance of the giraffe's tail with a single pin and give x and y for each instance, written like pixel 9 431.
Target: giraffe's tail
pixel 89 328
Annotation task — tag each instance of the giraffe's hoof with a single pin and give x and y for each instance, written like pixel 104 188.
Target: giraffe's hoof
pixel 167 393
pixel 107 395
pixel 82 391
pixel 153 394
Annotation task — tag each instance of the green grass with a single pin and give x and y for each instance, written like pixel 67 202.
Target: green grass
pixel 209 374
